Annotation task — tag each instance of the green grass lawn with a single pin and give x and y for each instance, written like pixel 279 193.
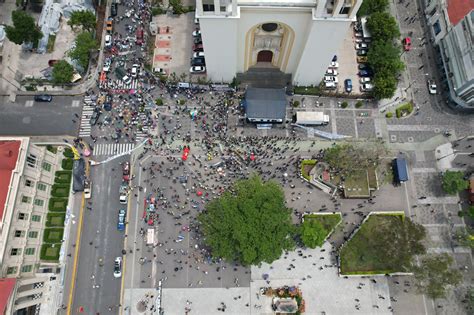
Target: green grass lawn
pixel 361 256
pixel 307 90
pixel 53 235
pixel 329 221
pixel 55 219
pixel 357 185
pixel 50 252
pixel 63 177
pixel 60 190
pixel 57 204
pixel 67 163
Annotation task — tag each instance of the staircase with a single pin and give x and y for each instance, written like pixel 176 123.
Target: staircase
pixel 264 77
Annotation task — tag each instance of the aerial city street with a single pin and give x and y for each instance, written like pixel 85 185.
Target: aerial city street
pixel 236 156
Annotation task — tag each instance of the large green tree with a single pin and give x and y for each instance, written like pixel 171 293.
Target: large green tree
pixel 85 43
pixel 385 84
pixel 454 182
pixel 62 72
pixel 434 275
pixel 372 6
pixel 313 233
pixel 84 18
pixel 249 224
pixel 383 26
pixel 383 55
pixel 24 29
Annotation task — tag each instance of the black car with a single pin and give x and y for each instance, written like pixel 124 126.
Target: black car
pixel 113 9
pixel 43 98
pixel 199 61
pixel 95 117
pixel 197 40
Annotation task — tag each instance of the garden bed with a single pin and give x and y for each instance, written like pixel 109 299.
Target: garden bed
pixel 329 221
pixel 63 177
pixel 404 110
pixel 55 219
pixel 306 167
pixel 57 204
pixel 53 235
pixel 50 252
pixel 68 153
pixel 307 90
pixel 60 190
pixel 67 164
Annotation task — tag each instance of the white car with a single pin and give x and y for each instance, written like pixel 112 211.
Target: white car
pixel 361 46
pixel 108 40
pixel 330 85
pixel 118 267
pixel 432 87
pixel 134 71
pixel 334 64
pixel 197 69
pixel 126 79
pixel 87 190
pixel 365 80
pixel 197 33
pixel 198 54
pixel 329 78
pixel 107 64
pixel 332 72
pixel 159 71
pixel 366 87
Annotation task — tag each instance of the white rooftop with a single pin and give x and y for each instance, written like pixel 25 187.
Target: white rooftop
pixel 278 2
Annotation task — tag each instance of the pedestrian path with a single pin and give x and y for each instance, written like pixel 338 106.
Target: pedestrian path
pixel 87 110
pixel 112 148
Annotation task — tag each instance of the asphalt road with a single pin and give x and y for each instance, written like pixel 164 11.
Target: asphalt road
pixel 26 117
pixel 100 239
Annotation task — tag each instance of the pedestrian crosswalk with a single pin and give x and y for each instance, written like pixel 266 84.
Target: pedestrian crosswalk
pixel 112 148
pixel 87 110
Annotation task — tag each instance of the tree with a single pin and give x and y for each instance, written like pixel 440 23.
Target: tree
pixel 249 224
pixel 385 85
pixel 313 233
pixel 383 26
pixel 434 275
pixel 454 182
pixel 177 7
pixel 84 44
pixel 24 29
pixel 84 18
pixel 62 72
pixel 371 6
pixel 383 55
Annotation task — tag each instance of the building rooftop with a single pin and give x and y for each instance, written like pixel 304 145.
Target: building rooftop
pixel 278 2
pixel 9 151
pixel 457 9
pixel 262 103
pixel 6 288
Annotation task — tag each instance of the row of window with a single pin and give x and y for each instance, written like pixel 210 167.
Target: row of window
pixel 37 202
pixel 32 160
pixel 24 216
pixel 13 270
pixel 40 186
pixel 31 234
pixel 17 251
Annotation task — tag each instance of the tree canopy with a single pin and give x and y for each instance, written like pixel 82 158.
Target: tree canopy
pixel 62 72
pixel 84 18
pixel 249 224
pixel 434 275
pixel 313 233
pixel 24 29
pixel 454 182
pixel 85 42
pixel 385 84
pixel 383 55
pixel 371 6
pixel 383 26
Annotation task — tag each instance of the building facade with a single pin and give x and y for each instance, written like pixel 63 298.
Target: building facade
pixel 297 37
pixel 26 175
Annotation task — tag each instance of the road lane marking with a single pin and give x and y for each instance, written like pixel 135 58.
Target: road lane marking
pixel 75 103
pixel 29 103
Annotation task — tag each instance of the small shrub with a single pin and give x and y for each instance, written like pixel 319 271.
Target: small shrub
pixel 404 110
pixel 68 153
pixel 389 115
pixel 159 101
pixel 57 204
pixel 359 104
pixel 53 235
pixel 52 149
pixel 296 103
pixel 60 190
pixel 344 104
pixel 157 11
pixel 67 164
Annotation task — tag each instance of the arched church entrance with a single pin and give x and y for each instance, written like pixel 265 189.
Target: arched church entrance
pixel 265 56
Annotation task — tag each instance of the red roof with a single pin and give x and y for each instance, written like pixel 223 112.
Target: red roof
pixel 457 9
pixel 6 288
pixel 9 151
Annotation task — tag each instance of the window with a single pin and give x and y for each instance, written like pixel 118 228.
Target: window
pixel 208 7
pixel 46 166
pixel 30 251
pixel 436 28
pixel 19 233
pixel 27 268
pixel 28 183
pixel 22 216
pixel 31 160
pixel 41 186
pixel 15 251
pixel 345 10
pixel 33 234
pixel 269 27
pixel 25 199
pixel 36 218
pixel 12 270
pixel 39 202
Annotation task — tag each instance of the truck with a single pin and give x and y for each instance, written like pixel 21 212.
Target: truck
pixel 400 170
pixel 312 118
pixel 123 193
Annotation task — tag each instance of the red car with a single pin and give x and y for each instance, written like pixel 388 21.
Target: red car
pixel 139 34
pixel 198 47
pixel 406 43
pixel 126 171
pixel 185 155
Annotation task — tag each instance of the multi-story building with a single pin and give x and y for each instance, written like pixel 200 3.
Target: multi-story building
pixel 297 37
pixel 26 175
pixel 451 25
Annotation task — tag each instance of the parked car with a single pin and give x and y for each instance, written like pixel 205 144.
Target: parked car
pixel 43 98
pixel 348 85
pixel 334 58
pixel 364 73
pixel 366 87
pixel 362 66
pixel 198 54
pixel 361 59
pixel 126 79
pixel 406 43
pixel 108 40
pixel 331 72
pixel 113 9
pixel 134 71
pixel 197 40
pixel 197 69
pixel 432 87
pixel 334 64
pixel 109 26
pixel 362 52
pixel 198 61
pixel 126 171
pixel 197 33
pixel 121 220
pixel 118 267
pixel 87 189
pixel 159 71
pixel 330 85
pixel 358 34
pixel 359 46
pixel 329 78
pixel 107 64
pixel 198 47
pixel 365 80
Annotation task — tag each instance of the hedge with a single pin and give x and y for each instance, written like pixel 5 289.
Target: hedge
pixel 67 163
pixel 63 177
pixel 303 171
pixel 408 108
pixel 60 190
pixel 57 204
pixel 68 153
pixel 50 253
pixel 389 115
pixel 53 235
pixel 55 219
pixel 51 149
